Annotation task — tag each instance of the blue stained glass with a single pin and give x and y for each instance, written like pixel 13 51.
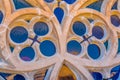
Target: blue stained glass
pixel 19 34
pixel 1 16
pixel 115 20
pixel 19 77
pixel 47 48
pixel 96 5
pixel 79 28
pixel 116 71
pixel 118 45
pixel 90 20
pixel 27 54
pixel 3 76
pixel 59 13
pixel 21 4
pixel 98 32
pixel 74 47
pixel 41 28
pixel 70 1
pixel 97 76
pixel 106 44
pixel 49 1
pixel 93 51
pixel 28 21
pixel 11 48
pixel 115 5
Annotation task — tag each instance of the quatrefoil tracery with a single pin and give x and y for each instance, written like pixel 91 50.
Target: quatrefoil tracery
pixel 53 42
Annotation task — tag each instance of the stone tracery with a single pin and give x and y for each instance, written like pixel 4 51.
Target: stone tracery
pixel 98 27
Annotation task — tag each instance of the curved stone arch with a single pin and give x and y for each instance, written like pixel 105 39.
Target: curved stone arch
pixel 60 36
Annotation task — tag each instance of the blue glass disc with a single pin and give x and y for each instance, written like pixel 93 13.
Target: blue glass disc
pixel 115 20
pixel 41 28
pixel 70 1
pixel 47 48
pixel 74 47
pixel 19 34
pixel 19 77
pixel 98 32
pixel 79 28
pixel 93 51
pixel 27 54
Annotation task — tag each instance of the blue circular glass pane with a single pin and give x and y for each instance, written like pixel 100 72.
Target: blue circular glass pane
pixel 49 1
pixel 115 20
pixel 27 54
pixel 98 32
pixel 70 1
pixel 1 16
pixel 79 28
pixel 19 34
pixel 47 48
pixel 97 76
pixel 93 51
pixel 59 13
pixel 74 47
pixel 41 28
pixel 19 77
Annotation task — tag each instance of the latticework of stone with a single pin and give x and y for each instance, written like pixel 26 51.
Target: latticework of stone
pixel 60 34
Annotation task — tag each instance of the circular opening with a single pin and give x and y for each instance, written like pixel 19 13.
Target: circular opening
pixel 97 76
pixel 115 20
pixel 93 51
pixel 47 48
pixel 19 34
pixel 98 32
pixel 27 54
pixel 79 28
pixel 74 47
pixel 19 77
pixel 59 13
pixel 70 1
pixel 49 1
pixel 41 28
